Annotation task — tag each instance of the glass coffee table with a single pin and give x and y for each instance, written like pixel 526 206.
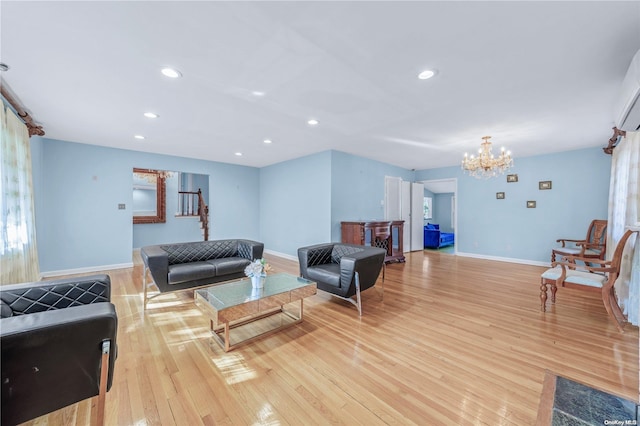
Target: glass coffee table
pixel 236 304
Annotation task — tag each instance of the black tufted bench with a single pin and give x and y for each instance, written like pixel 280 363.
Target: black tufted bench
pixel 183 266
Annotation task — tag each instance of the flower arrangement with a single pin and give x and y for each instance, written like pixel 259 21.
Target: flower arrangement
pixel 257 268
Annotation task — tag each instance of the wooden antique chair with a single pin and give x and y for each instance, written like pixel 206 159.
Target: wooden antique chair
pixel 592 247
pixel 594 275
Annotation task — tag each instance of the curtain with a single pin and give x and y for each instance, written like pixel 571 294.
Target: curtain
pixel 18 250
pixel 624 205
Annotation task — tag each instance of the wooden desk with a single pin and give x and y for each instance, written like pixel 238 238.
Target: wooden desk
pixel 383 234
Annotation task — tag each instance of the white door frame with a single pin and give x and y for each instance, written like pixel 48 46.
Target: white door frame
pixel 453 181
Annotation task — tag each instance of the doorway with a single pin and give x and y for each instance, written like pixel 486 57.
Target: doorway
pixel 443 208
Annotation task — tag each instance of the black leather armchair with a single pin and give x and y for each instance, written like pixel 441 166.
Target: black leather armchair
pixel 343 270
pixel 58 345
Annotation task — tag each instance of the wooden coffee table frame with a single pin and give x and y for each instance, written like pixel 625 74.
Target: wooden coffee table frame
pixel 224 320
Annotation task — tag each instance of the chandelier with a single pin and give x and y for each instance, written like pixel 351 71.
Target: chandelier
pixel 151 176
pixel 485 165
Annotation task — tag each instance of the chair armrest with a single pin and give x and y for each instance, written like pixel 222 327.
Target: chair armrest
pixel 367 263
pixel 566 240
pixel 157 260
pixel 53 359
pixel 570 262
pixel 251 250
pixel 28 298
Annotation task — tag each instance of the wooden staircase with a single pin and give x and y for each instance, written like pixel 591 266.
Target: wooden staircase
pixel 191 204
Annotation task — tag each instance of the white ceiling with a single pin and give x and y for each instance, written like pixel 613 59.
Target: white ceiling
pixel 440 186
pixel 537 76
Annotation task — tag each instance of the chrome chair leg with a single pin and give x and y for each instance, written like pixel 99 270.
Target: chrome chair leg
pixel 359 304
pixel 104 377
pixel 144 287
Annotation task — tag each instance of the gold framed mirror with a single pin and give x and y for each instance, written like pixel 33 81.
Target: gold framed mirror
pixel 149 196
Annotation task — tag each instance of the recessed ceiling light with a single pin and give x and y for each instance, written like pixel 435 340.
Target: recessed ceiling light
pixel 239 154
pixel 257 93
pixel 171 73
pixel 151 115
pixel 267 141
pixel 313 122
pixel 426 74
pixel 139 137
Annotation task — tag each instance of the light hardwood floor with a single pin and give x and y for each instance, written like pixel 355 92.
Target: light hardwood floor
pixel 455 341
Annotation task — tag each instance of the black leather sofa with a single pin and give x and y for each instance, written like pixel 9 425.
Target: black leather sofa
pixel 58 345
pixel 343 270
pixel 183 266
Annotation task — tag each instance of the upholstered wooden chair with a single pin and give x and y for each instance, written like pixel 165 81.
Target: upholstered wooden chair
pixel 593 246
pixel 594 275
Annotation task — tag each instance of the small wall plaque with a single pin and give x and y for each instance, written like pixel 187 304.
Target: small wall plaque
pixel 500 195
pixel 544 184
pixel 512 178
pixel 531 204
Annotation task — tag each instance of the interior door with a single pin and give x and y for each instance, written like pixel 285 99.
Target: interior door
pixel 417 216
pixel 392 198
pixel 405 214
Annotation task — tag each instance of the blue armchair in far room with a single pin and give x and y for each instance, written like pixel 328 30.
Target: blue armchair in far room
pixel 433 238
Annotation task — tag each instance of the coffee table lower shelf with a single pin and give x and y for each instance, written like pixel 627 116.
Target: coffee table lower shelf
pixel 221 332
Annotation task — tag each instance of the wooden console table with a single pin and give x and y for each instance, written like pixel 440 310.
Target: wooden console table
pixel 383 234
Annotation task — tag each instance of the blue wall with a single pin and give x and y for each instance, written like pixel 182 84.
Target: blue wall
pixel 78 188
pixel 295 203
pixel 303 201
pixel 506 228
pixel 299 202
pixel 357 189
pixel 442 211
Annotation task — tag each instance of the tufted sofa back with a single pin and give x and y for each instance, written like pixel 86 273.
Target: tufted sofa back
pixel 202 250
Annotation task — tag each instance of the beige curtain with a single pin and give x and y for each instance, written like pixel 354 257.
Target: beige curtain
pixel 18 250
pixel 624 208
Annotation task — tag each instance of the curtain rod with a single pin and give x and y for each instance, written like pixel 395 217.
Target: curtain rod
pixel 614 140
pixel 7 94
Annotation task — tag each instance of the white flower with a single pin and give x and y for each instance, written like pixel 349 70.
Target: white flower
pixel 257 267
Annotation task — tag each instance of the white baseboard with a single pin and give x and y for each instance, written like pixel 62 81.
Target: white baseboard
pixel 86 270
pixel 505 259
pixel 286 256
pixel 274 253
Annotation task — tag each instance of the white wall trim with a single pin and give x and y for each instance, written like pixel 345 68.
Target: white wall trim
pixel 85 270
pixel 505 259
pixel 286 256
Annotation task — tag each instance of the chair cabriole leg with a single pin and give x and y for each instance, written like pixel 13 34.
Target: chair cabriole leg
pixel 608 300
pixel 543 295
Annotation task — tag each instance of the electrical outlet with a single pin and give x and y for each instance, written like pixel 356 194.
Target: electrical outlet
pixel 122 206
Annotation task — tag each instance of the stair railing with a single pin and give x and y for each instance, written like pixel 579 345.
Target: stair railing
pixel 192 204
